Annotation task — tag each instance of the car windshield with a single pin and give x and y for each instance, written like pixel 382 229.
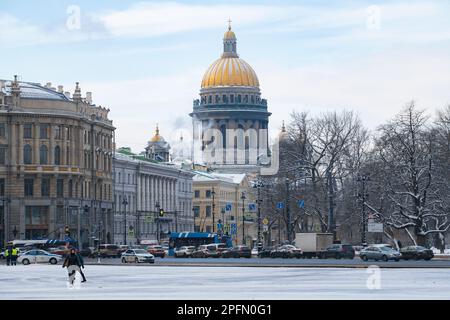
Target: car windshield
pixel 386 249
pixel 140 251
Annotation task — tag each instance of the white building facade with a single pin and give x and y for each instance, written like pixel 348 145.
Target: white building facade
pixel 151 199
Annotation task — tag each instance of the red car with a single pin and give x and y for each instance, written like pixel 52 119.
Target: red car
pixel 157 251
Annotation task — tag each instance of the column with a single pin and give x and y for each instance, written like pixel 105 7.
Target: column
pixel 20 144
pixel 138 194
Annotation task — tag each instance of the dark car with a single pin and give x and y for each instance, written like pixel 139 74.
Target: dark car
pixel 338 251
pixel 416 253
pixel 286 251
pixel 237 252
pixel 157 251
pixel 265 252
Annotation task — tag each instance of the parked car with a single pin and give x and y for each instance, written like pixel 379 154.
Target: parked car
pixel 184 252
pixel 265 252
pixel 123 248
pixel 379 253
pixel 338 251
pixel 157 251
pixel 62 250
pixel 137 256
pixel 108 251
pixel 38 256
pixel 237 252
pixel 219 247
pixel 286 251
pixel 416 253
pixel 206 251
pixel 86 252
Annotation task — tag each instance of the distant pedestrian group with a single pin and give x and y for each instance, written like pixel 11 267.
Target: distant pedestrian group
pixel 11 254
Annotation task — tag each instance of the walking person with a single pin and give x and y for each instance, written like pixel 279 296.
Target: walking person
pixel 81 262
pixel 8 256
pixel 72 263
pixel 14 255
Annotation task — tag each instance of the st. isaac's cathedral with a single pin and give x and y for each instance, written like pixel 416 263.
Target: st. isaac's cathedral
pixel 230 120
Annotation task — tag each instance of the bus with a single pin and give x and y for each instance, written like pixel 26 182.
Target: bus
pixel 179 239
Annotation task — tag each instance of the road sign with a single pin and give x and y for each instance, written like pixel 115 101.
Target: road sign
pixel 228 207
pixel 301 203
pixel 265 221
pixel 252 207
pixel 219 226
pixel 131 233
pixel 233 228
pixel 265 228
pixel 375 227
pixel 280 205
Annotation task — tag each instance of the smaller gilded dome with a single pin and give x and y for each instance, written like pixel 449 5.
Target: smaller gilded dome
pixel 157 137
pixel 229 35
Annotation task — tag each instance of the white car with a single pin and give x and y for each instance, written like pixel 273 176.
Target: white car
pixel 137 256
pixel 184 252
pixel 38 256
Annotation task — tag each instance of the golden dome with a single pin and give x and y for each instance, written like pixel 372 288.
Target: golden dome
pixel 230 71
pixel 156 137
pixel 229 35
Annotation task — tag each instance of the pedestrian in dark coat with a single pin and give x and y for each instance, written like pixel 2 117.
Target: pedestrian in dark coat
pixel 8 254
pixel 73 264
pixel 81 263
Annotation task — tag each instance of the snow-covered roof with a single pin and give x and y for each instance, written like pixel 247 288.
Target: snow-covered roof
pixel 213 176
pixel 35 91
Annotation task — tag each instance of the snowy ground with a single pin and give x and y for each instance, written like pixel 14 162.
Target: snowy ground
pixel 162 282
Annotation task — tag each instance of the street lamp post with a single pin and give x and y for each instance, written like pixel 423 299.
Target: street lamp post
pixel 125 202
pixel 213 193
pixel 362 196
pixel 5 223
pixel 258 185
pixel 158 236
pixel 288 211
pixel 243 217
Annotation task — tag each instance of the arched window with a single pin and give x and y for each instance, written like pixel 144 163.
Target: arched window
pixel 27 154
pixel 57 155
pixel 209 99
pixel 43 154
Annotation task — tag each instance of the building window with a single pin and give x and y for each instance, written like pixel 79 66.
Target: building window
pixel 2 130
pixel 59 214
pixel 209 99
pixel 70 187
pixel 208 211
pixel 43 131
pixel 28 130
pixel 208 193
pixel 60 188
pixel 232 98
pixel 2 155
pixel 239 98
pixel 28 187
pixel 208 229
pixel 197 193
pixel 196 211
pixel 57 132
pixel 57 155
pixel 45 187
pixel 36 215
pixel 27 154
pixel 43 154
pixel 2 187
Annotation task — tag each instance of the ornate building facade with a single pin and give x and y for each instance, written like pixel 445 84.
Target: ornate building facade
pixel 142 188
pixel 157 148
pixel 55 164
pixel 230 120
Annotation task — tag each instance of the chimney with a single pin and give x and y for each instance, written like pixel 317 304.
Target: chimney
pixel 60 89
pixel 89 97
pixel 67 94
pixel 48 85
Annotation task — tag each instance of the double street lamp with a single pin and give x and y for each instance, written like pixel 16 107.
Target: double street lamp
pixel 125 202
pixel 258 185
pixel 243 217
pixel 213 193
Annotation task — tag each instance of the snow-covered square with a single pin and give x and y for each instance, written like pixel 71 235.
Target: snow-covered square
pixel 185 283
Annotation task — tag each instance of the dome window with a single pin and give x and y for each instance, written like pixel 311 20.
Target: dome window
pixel 232 98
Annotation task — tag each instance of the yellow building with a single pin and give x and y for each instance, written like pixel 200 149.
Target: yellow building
pixel 218 205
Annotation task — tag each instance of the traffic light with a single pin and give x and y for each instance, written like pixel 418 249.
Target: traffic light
pixel 67 230
pixel 161 212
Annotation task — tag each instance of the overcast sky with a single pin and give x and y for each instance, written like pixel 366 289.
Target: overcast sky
pixel 145 60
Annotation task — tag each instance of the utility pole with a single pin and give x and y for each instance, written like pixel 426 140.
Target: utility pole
pixel 259 185
pixel 331 205
pixel 125 202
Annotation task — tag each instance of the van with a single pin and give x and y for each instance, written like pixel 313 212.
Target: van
pixel 109 251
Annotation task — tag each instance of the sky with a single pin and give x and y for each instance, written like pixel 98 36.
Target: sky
pixel 145 59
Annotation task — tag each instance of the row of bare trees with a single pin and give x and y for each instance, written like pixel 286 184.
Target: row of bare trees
pixel 398 175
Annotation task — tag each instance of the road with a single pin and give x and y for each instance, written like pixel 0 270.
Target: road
pixel 43 281
pixel 279 262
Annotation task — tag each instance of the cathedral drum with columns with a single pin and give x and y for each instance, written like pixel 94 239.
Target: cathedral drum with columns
pixel 230 120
